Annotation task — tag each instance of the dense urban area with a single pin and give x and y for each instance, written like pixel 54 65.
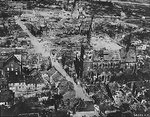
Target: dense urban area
pixel 75 58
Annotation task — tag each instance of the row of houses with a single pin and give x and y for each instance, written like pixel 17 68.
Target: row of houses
pixel 23 88
pixel 13 80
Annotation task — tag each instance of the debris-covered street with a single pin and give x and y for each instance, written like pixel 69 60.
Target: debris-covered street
pixel 75 58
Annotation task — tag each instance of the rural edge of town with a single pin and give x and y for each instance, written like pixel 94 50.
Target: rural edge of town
pixel 74 58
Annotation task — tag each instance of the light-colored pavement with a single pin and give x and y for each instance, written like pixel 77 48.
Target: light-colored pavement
pixel 80 92
pixel 38 46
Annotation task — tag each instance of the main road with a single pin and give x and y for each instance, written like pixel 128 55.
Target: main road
pixel 39 48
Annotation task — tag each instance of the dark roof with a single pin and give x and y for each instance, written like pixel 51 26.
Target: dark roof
pixel 4 59
pixel 5 52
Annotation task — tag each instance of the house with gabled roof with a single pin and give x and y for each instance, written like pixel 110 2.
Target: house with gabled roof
pixel 11 67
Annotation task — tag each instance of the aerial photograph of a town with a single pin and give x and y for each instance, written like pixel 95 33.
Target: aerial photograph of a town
pixel 74 58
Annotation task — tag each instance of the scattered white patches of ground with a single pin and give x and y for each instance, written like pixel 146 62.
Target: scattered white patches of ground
pixel 39 48
pixel 104 42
